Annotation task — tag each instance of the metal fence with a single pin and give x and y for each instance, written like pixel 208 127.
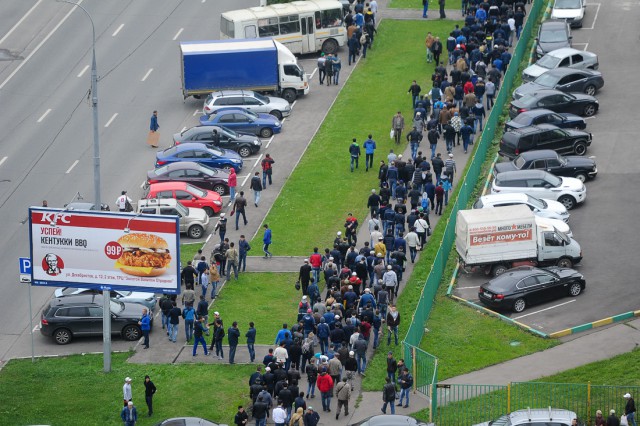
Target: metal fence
pixel 462 405
pixel 425 365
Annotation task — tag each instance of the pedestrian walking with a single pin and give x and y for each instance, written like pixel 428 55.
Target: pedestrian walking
pixel 450 167
pixel 388 396
pixel 232 256
pixel 126 391
pixel 214 279
pixel 325 386
pixel 397 125
pixel 189 316
pixel 149 391
pixel 343 392
pixel 221 226
pixel 414 90
pixel 436 49
pixel 267 170
pixel 198 334
pixel 369 149
pixel 256 186
pixel 239 208
pixel 321 71
pixel 630 410
pixel 354 153
pixel 174 321
pixel 129 414
pixel 124 202
pixel 425 10
pixel 354 47
pixel 441 3
pixel 337 66
pixel 243 249
pixel 241 418
pixel 251 341
pixel 393 321
pixel 406 381
pixel 266 241
pixel 328 69
pixel 439 198
pixel 218 336
pixel 279 414
pixel 392 368
pixel 154 136
pixel 232 182
pixel 145 327
pixel 311 418
pixel 233 336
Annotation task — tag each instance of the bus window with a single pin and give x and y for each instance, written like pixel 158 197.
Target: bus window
pixel 250 31
pixel 289 24
pixel 226 27
pixel 268 27
pixel 318 23
pixel 331 18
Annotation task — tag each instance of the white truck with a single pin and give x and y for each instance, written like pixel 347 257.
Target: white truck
pixel 501 238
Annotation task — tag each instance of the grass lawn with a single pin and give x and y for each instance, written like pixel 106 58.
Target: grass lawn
pixel 74 391
pixel 433 5
pixel 268 299
pixel 187 251
pixel 321 190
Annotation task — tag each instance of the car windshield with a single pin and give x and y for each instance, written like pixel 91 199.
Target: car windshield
pixel 229 132
pixel 115 306
pixel 553 180
pixel 568 4
pixel 548 61
pixel 528 100
pixel 562 235
pixel 546 80
pixel 478 204
pixel 161 170
pixel 216 151
pixel 562 160
pixel 522 119
pixel 519 162
pixel 170 151
pixel 502 421
pixel 196 191
pixel 261 98
pixel 536 202
pixel 251 114
pixel 553 36
pixel 182 209
pixel 206 170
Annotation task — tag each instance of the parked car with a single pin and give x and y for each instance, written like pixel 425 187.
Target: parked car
pixel 571 11
pixel 538 183
pixel 196 152
pixel 80 205
pixel 538 416
pixel 249 100
pixel 544 136
pixel 552 35
pixel 549 209
pixel 194 173
pixel 187 421
pixel 557 101
pixel 389 420
pixel 188 195
pixel 66 318
pixel 550 161
pixel 192 221
pixel 142 298
pixel 241 120
pixel 565 80
pixel 565 57
pixel 243 144
pixel 542 116
pixel 527 285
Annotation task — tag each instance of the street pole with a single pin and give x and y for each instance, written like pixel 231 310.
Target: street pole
pixel 33 357
pixel 106 311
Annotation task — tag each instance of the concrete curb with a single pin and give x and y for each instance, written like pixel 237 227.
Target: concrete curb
pixel 486 183
pixel 595 324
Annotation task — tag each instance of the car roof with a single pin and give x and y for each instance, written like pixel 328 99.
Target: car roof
pixel 231 109
pixel 223 93
pixel 501 198
pixel 539 154
pixel 522 174
pixel 533 113
pixel 160 186
pixel 157 202
pixel 77 299
pixel 562 71
pixel 191 145
pixel 553 23
pixel 542 414
pixel 563 52
pixel 544 92
pixel 181 165
pixel 534 129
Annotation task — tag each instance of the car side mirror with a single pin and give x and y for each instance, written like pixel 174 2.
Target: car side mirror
pixel 193 199
pixel 570 37
pixel 547 186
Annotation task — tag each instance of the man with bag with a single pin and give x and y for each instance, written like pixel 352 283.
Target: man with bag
pixel 124 202
pixel 397 125
pixel 154 135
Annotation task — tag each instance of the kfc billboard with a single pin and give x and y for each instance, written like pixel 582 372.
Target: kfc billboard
pixel 104 250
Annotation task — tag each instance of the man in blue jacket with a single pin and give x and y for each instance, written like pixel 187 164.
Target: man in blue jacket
pixel 145 326
pixel 369 150
pixel 243 248
pixel 266 240
pixel 129 415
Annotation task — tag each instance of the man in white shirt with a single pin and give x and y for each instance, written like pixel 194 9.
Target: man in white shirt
pixel 122 200
pixel 413 241
pixel 126 391
pixel 279 415
pixel 281 354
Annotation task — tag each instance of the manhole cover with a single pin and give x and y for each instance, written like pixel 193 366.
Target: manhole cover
pixel 515 343
pixel 6 55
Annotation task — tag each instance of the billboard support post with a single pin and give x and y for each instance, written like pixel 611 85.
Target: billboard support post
pixel 33 357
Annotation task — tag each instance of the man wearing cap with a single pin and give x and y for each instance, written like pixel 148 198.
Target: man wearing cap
pixel 390 281
pixel 630 410
pixel 129 414
pixel 221 227
pixel 311 418
pixel 304 276
pixel 450 167
pixel 613 420
pixel 126 391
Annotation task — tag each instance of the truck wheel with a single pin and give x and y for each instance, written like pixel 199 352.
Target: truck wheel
pixel 519 305
pixel 277 114
pixel 290 95
pixel 498 270
pixel 220 189
pixel 266 132
pixel 568 201
pixel 565 262
pixel 244 151
pixel 62 336
pixel 575 289
pixel 330 46
pixel 580 148
pixel 131 333
pixel 195 232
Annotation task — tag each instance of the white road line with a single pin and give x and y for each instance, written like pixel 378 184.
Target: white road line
pixel 282 121
pixel 466 288
pixel 580 44
pixel 183 129
pixel 35 50
pixel 545 309
pixel 245 180
pixel 113 117
pixel 257 161
pixel 313 73
pixel 3 160
pixel 115 33
pixel 196 112
pixel 43 115
pixel 72 166
pixel 294 103
pixel 269 142
pixel 595 17
pixel 20 21
pixel 36 328
pixel 175 37
pixel 147 74
pixel 589 118
pixel 142 184
pixel 81 73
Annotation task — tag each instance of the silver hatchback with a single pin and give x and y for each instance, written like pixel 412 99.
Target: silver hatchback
pixel 248 100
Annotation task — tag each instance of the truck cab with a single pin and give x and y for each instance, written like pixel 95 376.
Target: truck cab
pixel 557 248
pixel 293 79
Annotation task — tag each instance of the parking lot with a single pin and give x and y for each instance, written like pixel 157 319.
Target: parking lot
pixel 605 225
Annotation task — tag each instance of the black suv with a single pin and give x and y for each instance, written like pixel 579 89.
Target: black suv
pixel 242 143
pixel 73 316
pixel 550 161
pixel 544 136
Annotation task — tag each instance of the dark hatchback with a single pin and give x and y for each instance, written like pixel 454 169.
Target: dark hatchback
pixel 564 79
pixel 191 172
pixel 69 317
pixel 550 161
pixel 544 136
pixel 527 285
pixel 557 101
pixel 242 143
pixel 545 116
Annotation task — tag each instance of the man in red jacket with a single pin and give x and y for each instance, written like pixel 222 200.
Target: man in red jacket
pixel 324 382
pixel 316 264
pixel 233 182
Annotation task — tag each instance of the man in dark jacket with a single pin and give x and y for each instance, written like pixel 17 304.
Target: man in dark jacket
pixel 174 320
pixel 415 90
pixel 373 203
pixel 165 306
pixel 189 275
pixel 438 165
pixel 354 47
pixel 256 186
pixel 414 137
pixel 241 418
pixel 354 152
pixel 233 336
pixel 630 409
pixel 388 396
pixel 260 411
pixel 311 418
pixel 433 137
pixel 304 276
pixel 287 399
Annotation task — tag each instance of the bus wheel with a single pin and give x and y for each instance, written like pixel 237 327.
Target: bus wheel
pixel 330 46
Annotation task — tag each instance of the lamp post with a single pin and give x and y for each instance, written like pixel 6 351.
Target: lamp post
pixel 106 317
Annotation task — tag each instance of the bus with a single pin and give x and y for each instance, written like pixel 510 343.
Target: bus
pixel 303 26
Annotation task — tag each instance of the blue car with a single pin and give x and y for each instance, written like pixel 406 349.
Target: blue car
pixel 243 121
pixel 211 157
pixel 545 116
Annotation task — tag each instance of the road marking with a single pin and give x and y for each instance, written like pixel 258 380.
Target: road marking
pixel 589 118
pixel 595 17
pixel 580 44
pixel 143 184
pixel 175 37
pixel 467 288
pixel 115 33
pixel 113 117
pixel 147 74
pixel 196 112
pixel 294 103
pixel 269 142
pixel 313 73
pixel 545 309
pixel 44 40
pixel 257 161
pixel 3 160
pixel 44 115
pixel 36 328
pixel 245 180
pixel 86 67
pixel 20 21
pixel 183 129
pixel 72 166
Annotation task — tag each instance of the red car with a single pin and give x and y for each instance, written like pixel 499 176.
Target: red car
pixel 188 195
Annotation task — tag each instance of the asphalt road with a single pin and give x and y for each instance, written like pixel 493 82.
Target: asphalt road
pixel 606 226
